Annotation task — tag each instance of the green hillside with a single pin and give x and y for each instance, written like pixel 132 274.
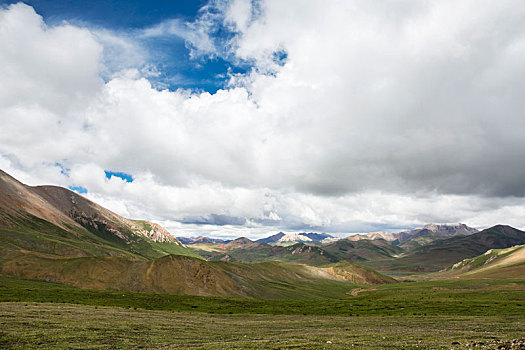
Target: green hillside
pixel 363 250
pixel 494 263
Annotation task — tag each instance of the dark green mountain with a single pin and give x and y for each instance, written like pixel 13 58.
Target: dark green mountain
pixel 363 250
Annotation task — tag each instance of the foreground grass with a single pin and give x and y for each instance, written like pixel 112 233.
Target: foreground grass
pixel 60 326
pixel 436 298
pixel 439 314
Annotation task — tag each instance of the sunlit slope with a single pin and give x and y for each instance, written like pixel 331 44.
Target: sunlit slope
pixel 185 275
pixel 495 263
pixel 357 274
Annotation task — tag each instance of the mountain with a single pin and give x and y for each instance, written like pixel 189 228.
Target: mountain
pixel 436 231
pixel 241 242
pixel 272 239
pixel 292 238
pixel 445 252
pixel 362 250
pixel 373 235
pixel 54 220
pixel 418 242
pixel 246 251
pixel 427 230
pixel 201 239
pixel 316 236
pixel 185 240
pixel 494 263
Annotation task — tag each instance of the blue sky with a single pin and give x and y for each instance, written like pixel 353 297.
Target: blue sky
pixel 168 54
pixel 114 14
pixel 249 117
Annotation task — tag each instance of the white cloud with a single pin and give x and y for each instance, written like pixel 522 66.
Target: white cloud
pixel 384 115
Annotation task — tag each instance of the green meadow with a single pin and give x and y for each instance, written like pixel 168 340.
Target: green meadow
pixel 437 314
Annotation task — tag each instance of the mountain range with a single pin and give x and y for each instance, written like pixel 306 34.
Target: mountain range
pixel 427 249
pixel 53 234
pixel 427 230
pixel 201 239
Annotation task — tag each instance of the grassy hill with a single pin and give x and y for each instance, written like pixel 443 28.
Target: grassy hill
pixel 191 276
pixel 494 263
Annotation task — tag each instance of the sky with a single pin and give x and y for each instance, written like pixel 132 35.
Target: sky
pixel 246 118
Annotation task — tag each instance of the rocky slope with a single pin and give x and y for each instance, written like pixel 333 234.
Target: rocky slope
pixel 31 216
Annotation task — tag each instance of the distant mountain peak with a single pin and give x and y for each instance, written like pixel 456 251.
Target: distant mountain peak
pixel 373 235
pixel 239 242
pixel 440 230
pixel 294 237
pixel 271 239
pixel 302 237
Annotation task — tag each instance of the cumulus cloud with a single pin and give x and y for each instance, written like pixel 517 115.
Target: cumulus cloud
pixel 356 116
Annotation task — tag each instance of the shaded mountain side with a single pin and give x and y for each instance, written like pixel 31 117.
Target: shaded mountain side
pixel 185 275
pixel 362 250
pixel 271 239
pixel 436 231
pixel 443 253
pixel 418 242
pixel 50 216
pixel 100 220
pixel 201 239
pixel 246 251
pixel 18 203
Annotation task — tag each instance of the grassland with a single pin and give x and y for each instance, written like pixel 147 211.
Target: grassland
pixel 435 298
pixel 59 326
pixel 437 314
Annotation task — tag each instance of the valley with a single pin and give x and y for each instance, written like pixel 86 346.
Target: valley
pixel 62 252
